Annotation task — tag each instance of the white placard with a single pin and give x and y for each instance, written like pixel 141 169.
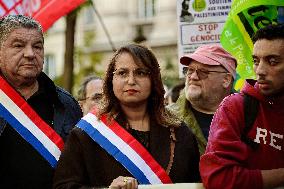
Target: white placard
pixel 200 22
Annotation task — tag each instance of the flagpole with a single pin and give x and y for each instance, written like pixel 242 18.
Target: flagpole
pixel 104 27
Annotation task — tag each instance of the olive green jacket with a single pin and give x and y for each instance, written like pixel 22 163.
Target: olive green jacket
pixel 182 109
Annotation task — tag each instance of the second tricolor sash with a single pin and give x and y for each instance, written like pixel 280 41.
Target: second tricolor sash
pixel 20 115
pixel 125 149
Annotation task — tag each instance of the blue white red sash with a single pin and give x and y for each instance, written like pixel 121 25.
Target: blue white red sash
pixel 125 149
pixel 18 113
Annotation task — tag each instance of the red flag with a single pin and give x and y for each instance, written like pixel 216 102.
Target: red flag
pixel 44 11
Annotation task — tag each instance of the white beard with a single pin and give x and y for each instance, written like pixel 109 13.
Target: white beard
pixel 193 92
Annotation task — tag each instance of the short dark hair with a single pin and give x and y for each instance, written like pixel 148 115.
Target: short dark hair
pixel 11 22
pixel 175 92
pixel 83 86
pixel 270 32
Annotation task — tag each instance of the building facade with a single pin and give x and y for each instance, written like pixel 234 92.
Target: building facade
pixel 151 21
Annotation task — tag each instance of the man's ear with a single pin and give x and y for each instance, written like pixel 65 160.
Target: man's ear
pixel 228 79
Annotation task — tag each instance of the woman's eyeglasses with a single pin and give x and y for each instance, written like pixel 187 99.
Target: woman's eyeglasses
pixel 138 73
pixel 201 73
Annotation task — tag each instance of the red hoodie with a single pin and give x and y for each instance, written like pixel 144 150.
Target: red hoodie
pixel 230 163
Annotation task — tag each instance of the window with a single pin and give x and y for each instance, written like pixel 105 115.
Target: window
pixel 49 66
pixel 89 16
pixel 146 9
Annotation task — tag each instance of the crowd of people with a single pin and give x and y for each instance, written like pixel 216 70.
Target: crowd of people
pixel 119 132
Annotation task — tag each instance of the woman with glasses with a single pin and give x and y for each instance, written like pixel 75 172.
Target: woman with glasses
pixel 132 139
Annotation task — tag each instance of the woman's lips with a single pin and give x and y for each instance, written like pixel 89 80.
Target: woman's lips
pixel 131 91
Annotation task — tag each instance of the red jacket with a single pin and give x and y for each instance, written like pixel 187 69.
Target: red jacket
pixel 230 163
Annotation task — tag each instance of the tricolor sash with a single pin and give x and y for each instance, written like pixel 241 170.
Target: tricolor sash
pixel 20 115
pixel 124 148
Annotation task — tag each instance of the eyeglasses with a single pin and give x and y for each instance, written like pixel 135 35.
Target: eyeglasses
pixel 201 73
pixel 138 73
pixel 95 98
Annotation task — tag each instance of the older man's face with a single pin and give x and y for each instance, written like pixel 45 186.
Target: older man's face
pixel 21 56
pixel 201 88
pixel 94 90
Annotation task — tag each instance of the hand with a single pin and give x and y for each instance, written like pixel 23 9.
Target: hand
pixel 124 183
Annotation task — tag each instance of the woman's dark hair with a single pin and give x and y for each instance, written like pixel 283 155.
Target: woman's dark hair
pixel 270 32
pixel 156 107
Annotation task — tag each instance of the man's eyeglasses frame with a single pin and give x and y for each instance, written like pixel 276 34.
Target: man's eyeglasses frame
pixel 202 73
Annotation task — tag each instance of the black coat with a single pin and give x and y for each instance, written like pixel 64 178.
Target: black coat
pixel 21 166
pixel 84 164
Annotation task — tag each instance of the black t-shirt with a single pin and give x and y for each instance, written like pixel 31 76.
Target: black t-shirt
pixel 204 121
pixel 142 136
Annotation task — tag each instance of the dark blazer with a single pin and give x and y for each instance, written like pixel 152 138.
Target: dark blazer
pixel 21 166
pixel 84 164
pixel 67 111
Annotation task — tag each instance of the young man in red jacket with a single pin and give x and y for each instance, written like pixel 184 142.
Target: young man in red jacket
pixel 228 161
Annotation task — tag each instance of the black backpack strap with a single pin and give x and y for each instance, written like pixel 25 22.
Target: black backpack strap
pixel 251 107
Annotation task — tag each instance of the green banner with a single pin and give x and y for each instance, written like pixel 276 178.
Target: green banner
pixel 245 18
